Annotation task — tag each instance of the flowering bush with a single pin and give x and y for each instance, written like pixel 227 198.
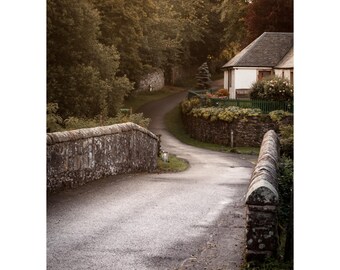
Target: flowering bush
pixel 273 89
pixel 221 93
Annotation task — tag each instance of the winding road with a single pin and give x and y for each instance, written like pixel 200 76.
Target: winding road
pixel 189 220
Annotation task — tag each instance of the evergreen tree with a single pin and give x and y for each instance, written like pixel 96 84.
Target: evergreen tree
pixel 203 76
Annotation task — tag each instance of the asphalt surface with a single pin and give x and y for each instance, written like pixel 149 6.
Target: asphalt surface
pixel 189 220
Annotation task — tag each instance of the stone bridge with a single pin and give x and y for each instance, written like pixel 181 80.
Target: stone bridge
pixel 128 219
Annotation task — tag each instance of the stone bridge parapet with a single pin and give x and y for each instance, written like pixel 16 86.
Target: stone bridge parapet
pixel 262 201
pixel 79 156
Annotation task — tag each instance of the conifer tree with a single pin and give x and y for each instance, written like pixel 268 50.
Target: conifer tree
pixel 203 76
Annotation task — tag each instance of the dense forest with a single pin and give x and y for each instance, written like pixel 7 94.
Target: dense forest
pixel 98 49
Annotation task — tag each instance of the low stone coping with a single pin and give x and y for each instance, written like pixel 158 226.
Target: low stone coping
pixel 263 185
pixel 84 133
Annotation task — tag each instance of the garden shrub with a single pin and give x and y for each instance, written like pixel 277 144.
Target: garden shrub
pixel 278 115
pixel 227 114
pixel 55 123
pixel 54 120
pixel 72 123
pixel 285 184
pixel 76 123
pixel 188 104
pixel 222 93
pixel 286 136
pixel 137 118
pixel 272 89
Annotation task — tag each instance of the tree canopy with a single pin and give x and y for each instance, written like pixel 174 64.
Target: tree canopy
pixel 268 16
pixel 97 50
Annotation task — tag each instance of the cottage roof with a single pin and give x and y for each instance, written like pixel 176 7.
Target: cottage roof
pixel 265 51
pixel 287 61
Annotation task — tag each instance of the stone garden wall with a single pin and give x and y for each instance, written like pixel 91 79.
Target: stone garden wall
pixel 262 201
pixel 80 156
pixel 247 131
pixel 154 79
pixel 174 74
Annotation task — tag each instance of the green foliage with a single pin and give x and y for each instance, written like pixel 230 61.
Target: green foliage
pixel 97 48
pixel 136 118
pixel 54 121
pixel 151 33
pixel 273 89
pixel 175 164
pixel 175 126
pixel 188 104
pixel 136 100
pixel 245 20
pixel 203 76
pixel 81 72
pixel 286 136
pixel 286 133
pixel 77 123
pixel 264 16
pixel 227 114
pixel 73 123
pixel 232 13
pixel 285 184
pixel 278 115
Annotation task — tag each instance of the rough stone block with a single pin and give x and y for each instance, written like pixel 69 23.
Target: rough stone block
pixel 77 157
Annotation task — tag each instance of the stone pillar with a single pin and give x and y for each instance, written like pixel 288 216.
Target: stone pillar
pixel 262 202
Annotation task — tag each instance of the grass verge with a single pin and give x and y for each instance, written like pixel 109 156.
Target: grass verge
pixel 175 164
pixel 173 123
pixel 137 100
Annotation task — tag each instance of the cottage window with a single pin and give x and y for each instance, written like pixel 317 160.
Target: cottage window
pixel 263 74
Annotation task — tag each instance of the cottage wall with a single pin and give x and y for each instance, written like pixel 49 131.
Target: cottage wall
pixel 284 73
pixel 244 78
pixel 225 79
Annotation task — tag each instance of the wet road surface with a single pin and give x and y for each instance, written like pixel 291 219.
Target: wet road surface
pixel 187 220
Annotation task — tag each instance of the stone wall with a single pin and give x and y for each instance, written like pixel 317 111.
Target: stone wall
pixel 80 156
pixel 154 79
pixel 175 74
pixel 262 201
pixel 248 131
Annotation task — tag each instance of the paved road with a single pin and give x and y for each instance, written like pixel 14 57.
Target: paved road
pixel 187 220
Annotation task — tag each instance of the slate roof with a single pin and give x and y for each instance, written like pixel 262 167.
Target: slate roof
pixel 265 51
pixel 287 61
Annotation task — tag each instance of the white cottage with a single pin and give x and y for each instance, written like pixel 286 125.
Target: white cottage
pixel 269 54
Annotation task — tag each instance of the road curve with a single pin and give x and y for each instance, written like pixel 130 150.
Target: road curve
pixel 187 220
